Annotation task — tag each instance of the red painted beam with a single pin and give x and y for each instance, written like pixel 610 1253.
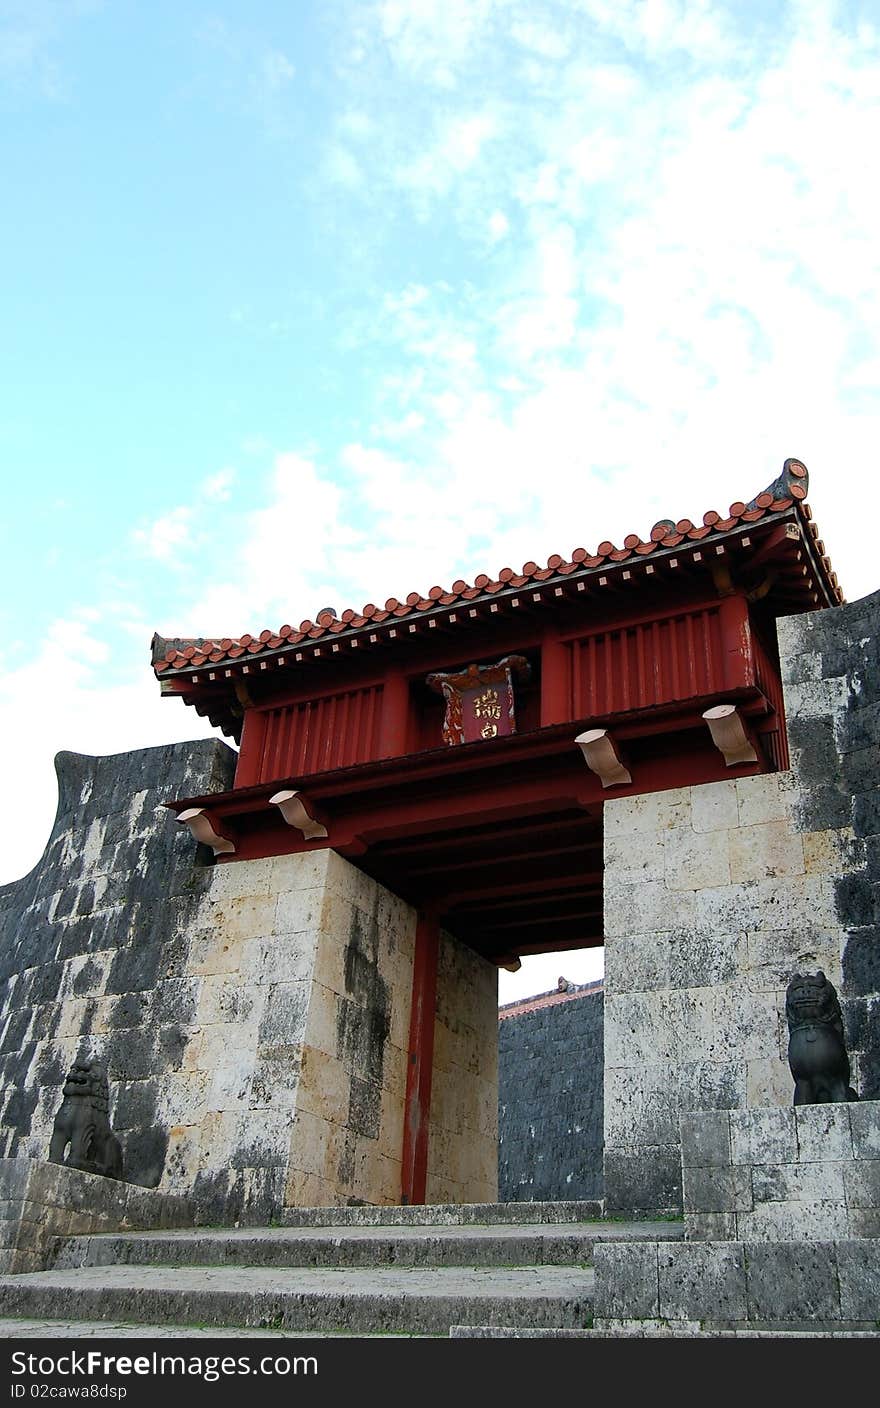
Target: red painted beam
pixel 417 1107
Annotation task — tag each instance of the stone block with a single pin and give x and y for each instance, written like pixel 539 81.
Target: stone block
pixel 276 1075
pixel 809 1183
pixel 765 851
pixel 833 852
pixel 645 907
pixel 861 1178
pixel 635 863
pixel 858 1270
pixel 796 903
pixel 638 963
pixel 761 799
pixel 246 917
pixel 285 1014
pixel 645 1180
pixel 863 1222
pixel 279 958
pixel 233 880
pixel 763 1136
pixel 638 1110
pixel 702 1281
pixel 714 807
pixel 717 1190
pixel 695 861
pixel 790 1281
pixel 627 1281
pixel 631 1032
pixel 324 1086
pixel 768 1082
pixel 823 1132
pixel 864 1116
pixel 705 1139
pixel 211 951
pixel 710 1226
pixel 702 960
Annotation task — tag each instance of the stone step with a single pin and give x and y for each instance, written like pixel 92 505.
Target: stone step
pixel 510 1244
pixel 375 1300
pixel 443 1214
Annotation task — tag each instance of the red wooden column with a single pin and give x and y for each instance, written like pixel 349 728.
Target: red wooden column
pixel 417 1107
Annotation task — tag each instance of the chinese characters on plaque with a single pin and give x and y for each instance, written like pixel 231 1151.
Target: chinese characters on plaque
pixel 479 699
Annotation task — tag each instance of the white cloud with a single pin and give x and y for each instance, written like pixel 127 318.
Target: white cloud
pixel 74 694
pixel 167 534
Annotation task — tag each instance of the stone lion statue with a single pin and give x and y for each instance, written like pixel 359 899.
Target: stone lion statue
pixel 82 1125
pixel 816 1050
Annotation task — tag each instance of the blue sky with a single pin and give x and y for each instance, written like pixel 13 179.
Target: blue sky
pixel 318 303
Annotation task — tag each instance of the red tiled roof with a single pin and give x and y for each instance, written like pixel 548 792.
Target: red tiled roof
pixel 548 999
pixel 790 489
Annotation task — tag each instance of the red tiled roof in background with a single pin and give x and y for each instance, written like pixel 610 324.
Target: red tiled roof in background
pixel 549 999
pixel 789 490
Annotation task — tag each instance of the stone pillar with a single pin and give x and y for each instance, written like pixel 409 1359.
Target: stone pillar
pixel 463 1140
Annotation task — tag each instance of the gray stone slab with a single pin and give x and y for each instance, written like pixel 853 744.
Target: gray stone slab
pixel 792 1281
pixel 823 1133
pixel 858 1270
pixel 864 1118
pixel 702 1281
pixel 705 1139
pixel 804 1183
pixel 861 1181
pixel 626 1284
pixel 711 1227
pixel 762 1136
pixel 717 1190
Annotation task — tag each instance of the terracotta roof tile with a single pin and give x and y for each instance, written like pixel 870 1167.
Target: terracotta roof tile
pixel 789 489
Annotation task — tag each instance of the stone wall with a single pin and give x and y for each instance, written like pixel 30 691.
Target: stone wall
pixel 41 1202
pixel 805 1173
pixel 674 1287
pixel 254 1015
pixel 550 1060
pixel 94 944
pixel 715 895
pixel 463 1140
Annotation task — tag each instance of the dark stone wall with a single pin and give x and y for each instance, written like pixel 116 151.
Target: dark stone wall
pixel 831 666
pixel 93 943
pixel 550 1102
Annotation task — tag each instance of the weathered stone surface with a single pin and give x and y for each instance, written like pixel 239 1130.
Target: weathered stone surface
pixel 627 1281
pixel 717 1190
pixel 705 1140
pixel 823 1132
pixel 702 1281
pixel 763 1136
pixel 792 1281
pixel 550 1101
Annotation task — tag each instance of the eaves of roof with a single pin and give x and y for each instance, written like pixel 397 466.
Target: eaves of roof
pixel 184 658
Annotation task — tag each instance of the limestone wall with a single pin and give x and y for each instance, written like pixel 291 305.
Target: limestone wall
pixel 254 1015
pixel 715 895
pixel 346 1137
pixel 463 1139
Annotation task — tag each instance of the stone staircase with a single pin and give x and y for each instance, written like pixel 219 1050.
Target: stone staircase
pixel 406 1271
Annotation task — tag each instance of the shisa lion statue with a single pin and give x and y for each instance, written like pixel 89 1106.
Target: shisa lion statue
pixel 816 1049
pixel 83 1123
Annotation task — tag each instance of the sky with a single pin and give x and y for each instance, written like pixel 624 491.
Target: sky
pixel 316 302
